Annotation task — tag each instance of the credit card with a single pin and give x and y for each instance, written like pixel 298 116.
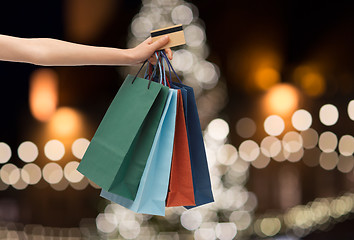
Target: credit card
pixel 175 33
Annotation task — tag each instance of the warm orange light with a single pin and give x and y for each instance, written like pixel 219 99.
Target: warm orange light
pixel 66 122
pixel 301 71
pixel 257 65
pixel 313 84
pixel 282 99
pixel 43 95
pixel 310 80
pixel 267 77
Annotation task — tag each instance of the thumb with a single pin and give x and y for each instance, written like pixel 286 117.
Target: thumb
pixel 160 42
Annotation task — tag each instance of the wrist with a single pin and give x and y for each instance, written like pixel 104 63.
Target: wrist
pixel 130 57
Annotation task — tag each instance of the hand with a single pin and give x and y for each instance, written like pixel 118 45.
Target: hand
pixel 146 50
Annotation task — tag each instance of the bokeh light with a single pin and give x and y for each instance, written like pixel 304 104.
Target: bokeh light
pixel 294 156
pixel 52 173
pixel 280 157
pixel 81 185
pixel 204 234
pixel 206 74
pixel 227 154
pixel 270 226
pixel 346 145
pixel 182 14
pixel 329 114
pixel 225 231
pixel 191 219
pixel 310 138
pixel 242 197
pixel 54 150
pixel 66 122
pixel 61 185
pixel 292 142
pixel 311 157
pixel 43 93
pixel 318 213
pixel 246 127
pixel 194 35
pixel 141 27
pixel 274 125
pixel 5 152
pixel 242 219
pixel 240 166
pixel 20 184
pixel 183 60
pixel 79 147
pixel 281 99
pixel 106 222
pixel 261 161
pixel 345 163
pixel 10 174
pixel 218 129
pixel 3 186
pixel 129 229
pixel 301 120
pixel 31 173
pixel 251 203
pixel 266 77
pixel 27 151
pixel 310 80
pixel 328 161
pixel 313 84
pixel 327 142
pixel 271 146
pixel 351 110
pixel 249 150
pixel 70 172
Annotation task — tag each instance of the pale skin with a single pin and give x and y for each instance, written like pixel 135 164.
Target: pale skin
pixel 53 52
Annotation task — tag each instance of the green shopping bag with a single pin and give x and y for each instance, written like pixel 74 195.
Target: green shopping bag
pixel 117 155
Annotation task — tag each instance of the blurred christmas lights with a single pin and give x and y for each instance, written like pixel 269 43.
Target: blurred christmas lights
pixel 43 93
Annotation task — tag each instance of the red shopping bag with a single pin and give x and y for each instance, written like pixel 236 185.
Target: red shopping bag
pixel 180 190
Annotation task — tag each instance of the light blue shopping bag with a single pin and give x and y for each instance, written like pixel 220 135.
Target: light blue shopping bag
pixel 153 187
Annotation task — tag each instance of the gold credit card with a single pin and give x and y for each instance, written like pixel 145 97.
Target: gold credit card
pixel 175 33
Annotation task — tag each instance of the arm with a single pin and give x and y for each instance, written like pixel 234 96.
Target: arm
pixel 52 52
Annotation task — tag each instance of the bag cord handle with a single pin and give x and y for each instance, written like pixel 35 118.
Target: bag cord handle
pixel 153 73
pixel 161 69
pixel 136 75
pixel 170 67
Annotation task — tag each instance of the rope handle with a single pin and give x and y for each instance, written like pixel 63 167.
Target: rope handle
pixel 160 56
pixel 170 67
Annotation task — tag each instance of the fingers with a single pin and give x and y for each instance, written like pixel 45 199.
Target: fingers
pixel 160 43
pixel 148 41
pixel 168 53
pixel 153 60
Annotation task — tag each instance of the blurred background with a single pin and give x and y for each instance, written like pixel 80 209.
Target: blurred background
pixel 274 83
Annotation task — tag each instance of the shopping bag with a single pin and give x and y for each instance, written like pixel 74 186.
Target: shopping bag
pixel 117 155
pixel 151 195
pixel 180 188
pixel 200 171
